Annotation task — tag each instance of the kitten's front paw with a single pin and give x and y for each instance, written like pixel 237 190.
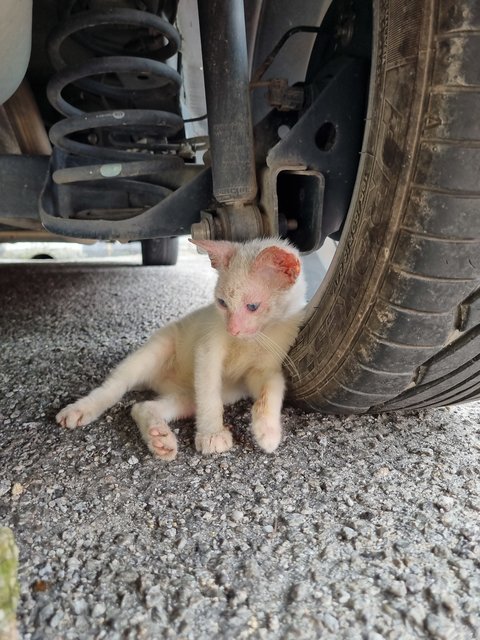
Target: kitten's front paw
pixel 217 442
pixel 77 414
pixel 267 435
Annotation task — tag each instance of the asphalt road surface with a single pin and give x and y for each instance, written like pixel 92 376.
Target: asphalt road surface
pixel 361 527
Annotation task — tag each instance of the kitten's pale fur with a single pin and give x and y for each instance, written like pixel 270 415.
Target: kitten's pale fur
pixel 215 355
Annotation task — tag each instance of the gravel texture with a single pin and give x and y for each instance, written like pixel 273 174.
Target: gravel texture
pixel 362 527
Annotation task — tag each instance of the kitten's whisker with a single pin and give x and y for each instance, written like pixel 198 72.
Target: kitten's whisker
pixel 271 346
pixel 265 345
pixel 288 363
pixel 274 348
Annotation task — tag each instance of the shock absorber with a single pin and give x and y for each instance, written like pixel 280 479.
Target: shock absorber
pixel 120 103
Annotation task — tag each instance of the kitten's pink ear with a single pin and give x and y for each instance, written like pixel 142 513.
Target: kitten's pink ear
pixel 220 252
pixel 278 264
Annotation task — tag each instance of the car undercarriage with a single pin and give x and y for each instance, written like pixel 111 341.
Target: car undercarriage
pixel 108 87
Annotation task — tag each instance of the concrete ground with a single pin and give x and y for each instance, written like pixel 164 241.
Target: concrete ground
pixel 358 527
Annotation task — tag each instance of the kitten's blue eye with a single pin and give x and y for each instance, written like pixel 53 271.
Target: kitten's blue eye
pixel 222 303
pixel 253 307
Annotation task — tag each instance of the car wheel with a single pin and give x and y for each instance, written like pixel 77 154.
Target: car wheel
pixel 395 324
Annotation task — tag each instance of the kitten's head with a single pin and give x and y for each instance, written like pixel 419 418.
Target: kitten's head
pixel 259 283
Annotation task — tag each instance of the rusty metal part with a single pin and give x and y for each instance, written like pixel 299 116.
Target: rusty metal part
pixel 283 97
pixel 26 122
pixel 236 223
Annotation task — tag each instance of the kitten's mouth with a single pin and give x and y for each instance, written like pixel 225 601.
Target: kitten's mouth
pixel 243 336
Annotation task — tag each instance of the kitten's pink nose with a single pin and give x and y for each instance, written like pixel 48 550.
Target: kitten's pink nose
pixel 233 330
pixel 234 327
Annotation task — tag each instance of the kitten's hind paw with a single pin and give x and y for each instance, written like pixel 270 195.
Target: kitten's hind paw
pixel 77 414
pixel 217 442
pixel 155 432
pixel 162 442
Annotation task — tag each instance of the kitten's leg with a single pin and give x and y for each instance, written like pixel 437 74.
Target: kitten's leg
pixel 137 369
pixel 266 412
pixel 152 419
pixel 211 435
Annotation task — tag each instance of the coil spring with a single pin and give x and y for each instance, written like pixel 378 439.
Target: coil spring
pixel 118 130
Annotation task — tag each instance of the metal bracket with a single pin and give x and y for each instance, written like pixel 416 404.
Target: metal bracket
pixel 323 138
pixel 292 199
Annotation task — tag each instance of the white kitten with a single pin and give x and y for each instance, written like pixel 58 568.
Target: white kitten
pixel 216 355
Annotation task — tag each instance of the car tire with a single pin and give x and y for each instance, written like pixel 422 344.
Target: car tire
pixel 160 251
pixel 396 323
